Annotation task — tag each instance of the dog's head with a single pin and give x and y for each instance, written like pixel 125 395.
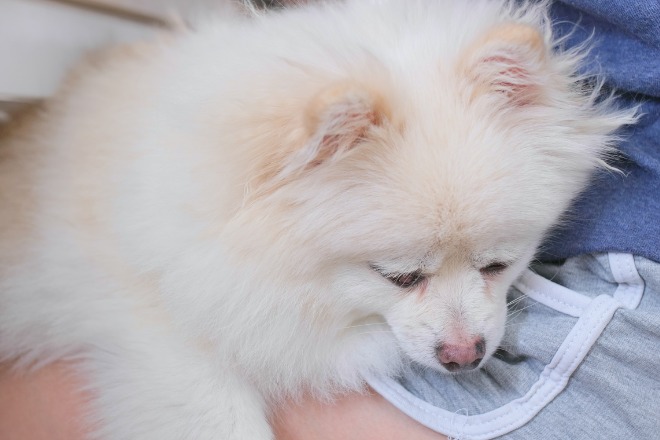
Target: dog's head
pixel 419 193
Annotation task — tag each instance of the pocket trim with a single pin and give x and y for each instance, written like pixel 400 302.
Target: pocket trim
pixel 631 285
pixel 552 295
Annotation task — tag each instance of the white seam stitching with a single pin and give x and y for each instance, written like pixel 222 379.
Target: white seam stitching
pixel 577 359
pixel 566 350
pixel 624 265
pixel 550 298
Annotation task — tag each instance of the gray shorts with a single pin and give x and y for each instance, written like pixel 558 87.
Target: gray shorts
pixel 581 360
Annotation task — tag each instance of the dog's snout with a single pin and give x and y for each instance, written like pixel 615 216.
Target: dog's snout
pixel 464 356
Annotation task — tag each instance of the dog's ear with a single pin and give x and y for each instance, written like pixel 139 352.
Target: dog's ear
pixel 314 128
pixel 509 60
pixel 336 120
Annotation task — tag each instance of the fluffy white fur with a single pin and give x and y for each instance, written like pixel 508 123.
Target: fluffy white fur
pixel 194 220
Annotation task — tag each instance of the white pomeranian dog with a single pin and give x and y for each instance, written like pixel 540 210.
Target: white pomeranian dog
pixel 215 221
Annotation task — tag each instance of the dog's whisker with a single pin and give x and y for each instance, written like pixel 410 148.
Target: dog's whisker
pixel 518 311
pixel 516 300
pixel 527 306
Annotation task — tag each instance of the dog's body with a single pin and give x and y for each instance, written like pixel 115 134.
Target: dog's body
pixel 200 222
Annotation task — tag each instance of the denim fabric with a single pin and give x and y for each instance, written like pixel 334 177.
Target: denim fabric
pixel 627 37
pixel 618 212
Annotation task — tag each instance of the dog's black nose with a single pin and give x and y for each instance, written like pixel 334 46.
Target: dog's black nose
pixel 462 357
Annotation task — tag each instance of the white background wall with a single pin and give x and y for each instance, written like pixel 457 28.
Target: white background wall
pixel 40 39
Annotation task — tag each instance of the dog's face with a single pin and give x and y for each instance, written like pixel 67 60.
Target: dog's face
pixel 436 220
pixel 421 201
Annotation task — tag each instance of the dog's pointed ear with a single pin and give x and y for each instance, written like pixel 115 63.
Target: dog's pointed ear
pixel 509 60
pixel 314 128
pixel 336 120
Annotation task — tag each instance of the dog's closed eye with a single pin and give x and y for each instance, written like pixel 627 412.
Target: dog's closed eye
pixel 403 280
pixel 494 269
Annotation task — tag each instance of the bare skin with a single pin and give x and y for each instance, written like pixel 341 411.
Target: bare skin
pixel 45 405
pixel 353 417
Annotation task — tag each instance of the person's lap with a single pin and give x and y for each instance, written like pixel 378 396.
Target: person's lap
pixel 45 404
pixel 539 389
